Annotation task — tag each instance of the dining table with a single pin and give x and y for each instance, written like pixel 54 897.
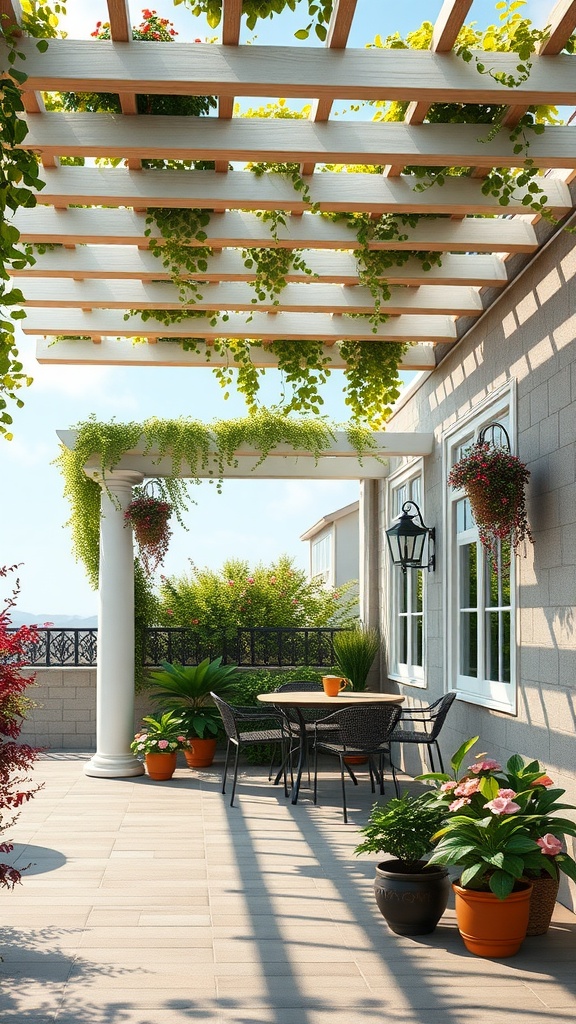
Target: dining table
pixel 299 701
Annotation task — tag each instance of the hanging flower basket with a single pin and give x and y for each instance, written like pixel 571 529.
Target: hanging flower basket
pixel 149 517
pixel 494 482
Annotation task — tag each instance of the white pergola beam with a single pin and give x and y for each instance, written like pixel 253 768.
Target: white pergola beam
pixel 72 65
pixel 125 262
pixel 122 352
pixel 276 139
pixel 242 190
pixel 236 229
pixel 262 326
pixel 239 296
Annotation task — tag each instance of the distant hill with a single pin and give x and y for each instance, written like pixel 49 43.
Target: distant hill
pixel 60 621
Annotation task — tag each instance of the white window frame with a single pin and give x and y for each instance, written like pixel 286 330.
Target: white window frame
pixel 499 696
pixel 405 673
pixel 326 542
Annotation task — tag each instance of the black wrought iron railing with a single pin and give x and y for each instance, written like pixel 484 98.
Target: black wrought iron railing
pixel 263 647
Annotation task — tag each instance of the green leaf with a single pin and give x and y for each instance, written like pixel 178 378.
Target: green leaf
pixel 460 754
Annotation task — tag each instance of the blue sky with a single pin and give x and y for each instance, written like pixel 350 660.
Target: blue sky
pixel 254 520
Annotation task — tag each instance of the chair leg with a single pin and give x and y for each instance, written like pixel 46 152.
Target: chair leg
pixel 272 759
pixel 225 766
pixel 315 773
pixel 394 779
pixel 236 759
pixel 431 756
pixel 439 756
pixel 343 790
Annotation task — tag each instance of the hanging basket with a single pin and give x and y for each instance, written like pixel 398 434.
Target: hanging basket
pixel 494 481
pixel 149 517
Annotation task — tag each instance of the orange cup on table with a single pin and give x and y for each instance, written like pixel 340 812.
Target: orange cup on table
pixel 334 684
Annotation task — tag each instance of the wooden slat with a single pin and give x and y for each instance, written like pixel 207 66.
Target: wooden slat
pixel 231 18
pixel 238 295
pixel 203 138
pixel 302 72
pixel 242 190
pixel 121 32
pixel 124 353
pixel 262 326
pixel 129 263
pixel 230 230
pixel 446 29
pixel 336 39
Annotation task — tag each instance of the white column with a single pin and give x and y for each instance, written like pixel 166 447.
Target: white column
pixel 368 580
pixel 115 669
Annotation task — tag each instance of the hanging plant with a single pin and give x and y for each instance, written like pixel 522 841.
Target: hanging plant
pixel 180 259
pixel 319 12
pixel 149 517
pixel 494 481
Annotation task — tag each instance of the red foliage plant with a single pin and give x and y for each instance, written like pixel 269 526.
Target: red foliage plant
pixel 149 517
pixel 16 758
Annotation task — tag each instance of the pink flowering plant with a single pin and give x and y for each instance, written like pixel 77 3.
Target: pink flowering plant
pixel 494 481
pixel 162 735
pixel 502 824
pixel 149 518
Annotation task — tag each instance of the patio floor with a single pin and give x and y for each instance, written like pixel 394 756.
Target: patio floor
pixel 153 902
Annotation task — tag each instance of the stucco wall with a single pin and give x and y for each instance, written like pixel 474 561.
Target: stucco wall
pixel 528 335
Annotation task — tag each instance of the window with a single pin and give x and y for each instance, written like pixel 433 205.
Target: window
pixel 322 557
pixel 407 605
pixel 481 619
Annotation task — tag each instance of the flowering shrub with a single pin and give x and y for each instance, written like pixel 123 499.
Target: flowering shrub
pixel 519 836
pixel 237 596
pixel 161 736
pixel 494 482
pixel 149 517
pixel 15 758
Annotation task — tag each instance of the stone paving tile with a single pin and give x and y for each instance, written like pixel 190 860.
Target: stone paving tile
pixel 257 913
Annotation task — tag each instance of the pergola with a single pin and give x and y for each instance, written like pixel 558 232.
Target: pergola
pixel 102 265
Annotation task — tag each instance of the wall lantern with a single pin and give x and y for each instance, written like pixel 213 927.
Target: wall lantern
pixel 407 540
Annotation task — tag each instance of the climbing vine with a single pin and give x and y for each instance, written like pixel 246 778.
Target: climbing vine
pixel 319 13
pixel 19 175
pixel 182 261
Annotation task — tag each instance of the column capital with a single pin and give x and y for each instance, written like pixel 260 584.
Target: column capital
pixel 117 479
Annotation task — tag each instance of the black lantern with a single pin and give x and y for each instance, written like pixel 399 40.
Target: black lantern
pixel 407 540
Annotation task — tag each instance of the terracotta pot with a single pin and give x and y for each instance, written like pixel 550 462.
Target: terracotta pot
pixel 201 753
pixel 161 766
pixel 356 759
pixel 542 903
pixel 491 927
pixel 411 902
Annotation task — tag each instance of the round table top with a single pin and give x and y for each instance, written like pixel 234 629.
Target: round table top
pixel 319 699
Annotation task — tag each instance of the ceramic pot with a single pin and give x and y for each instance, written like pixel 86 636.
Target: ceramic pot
pixel 411 902
pixel 491 927
pixel 542 903
pixel 161 766
pixel 200 753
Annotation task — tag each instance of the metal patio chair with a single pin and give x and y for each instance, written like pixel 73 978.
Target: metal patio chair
pixel 240 732
pixel 362 730
pixel 430 719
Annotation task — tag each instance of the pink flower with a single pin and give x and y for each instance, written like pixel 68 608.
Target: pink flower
pixel 230 583
pixel 162 744
pixel 272 579
pixel 502 805
pixel 181 739
pixel 169 611
pixel 457 804
pixel 544 780
pixel 467 788
pixel 447 787
pixel 550 845
pixel 485 766
pixel 194 621
pixel 250 579
pixel 508 794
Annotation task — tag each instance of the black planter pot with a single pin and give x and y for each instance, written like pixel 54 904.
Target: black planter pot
pixel 411 903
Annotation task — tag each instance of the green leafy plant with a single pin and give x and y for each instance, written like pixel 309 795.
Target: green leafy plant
pixel 185 691
pixel 319 12
pixel 162 735
pixel 403 828
pixel 496 850
pixel 355 651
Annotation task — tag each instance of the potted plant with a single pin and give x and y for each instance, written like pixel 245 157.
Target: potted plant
pixel 148 517
pixel 185 690
pixel 411 894
pixel 499 830
pixel 355 650
pixel 494 482
pixel 159 742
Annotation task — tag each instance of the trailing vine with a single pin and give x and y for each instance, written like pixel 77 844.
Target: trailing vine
pixel 304 366
pixel 272 266
pixel 19 175
pixel 372 379
pixel 183 261
pixel 319 12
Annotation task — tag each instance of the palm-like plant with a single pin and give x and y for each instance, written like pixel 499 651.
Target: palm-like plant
pixel 185 689
pixel 355 650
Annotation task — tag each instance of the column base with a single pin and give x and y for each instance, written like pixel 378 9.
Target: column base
pixel 113 766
